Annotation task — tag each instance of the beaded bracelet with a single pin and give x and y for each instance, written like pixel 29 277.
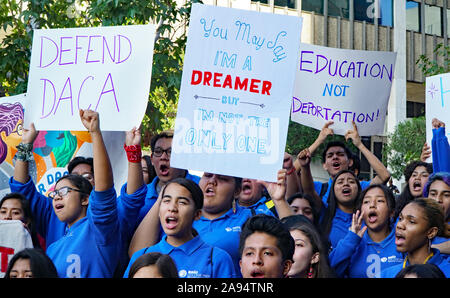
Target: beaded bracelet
pixel 24 152
pixel 134 153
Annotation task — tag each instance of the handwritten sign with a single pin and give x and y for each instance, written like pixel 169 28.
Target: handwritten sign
pixel 52 150
pixel 343 86
pixel 437 103
pixel 238 77
pixel 106 69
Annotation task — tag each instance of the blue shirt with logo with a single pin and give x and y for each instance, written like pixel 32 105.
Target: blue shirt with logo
pixel 361 257
pixel 194 259
pixel 224 232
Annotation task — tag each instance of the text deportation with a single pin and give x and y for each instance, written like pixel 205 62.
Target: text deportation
pixel 84 49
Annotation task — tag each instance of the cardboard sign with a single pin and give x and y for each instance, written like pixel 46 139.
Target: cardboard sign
pixel 437 103
pixel 106 69
pixel 343 86
pixel 238 76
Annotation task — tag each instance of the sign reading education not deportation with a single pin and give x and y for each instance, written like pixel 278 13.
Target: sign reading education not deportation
pixel 106 69
pixel 234 105
pixel 343 86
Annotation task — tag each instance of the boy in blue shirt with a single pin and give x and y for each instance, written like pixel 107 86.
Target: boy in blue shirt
pixel 180 203
pixel 266 248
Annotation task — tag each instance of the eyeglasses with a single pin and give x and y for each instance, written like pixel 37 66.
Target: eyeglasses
pixel 158 152
pixel 63 191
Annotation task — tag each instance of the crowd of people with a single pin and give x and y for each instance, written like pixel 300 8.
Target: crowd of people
pixel 167 222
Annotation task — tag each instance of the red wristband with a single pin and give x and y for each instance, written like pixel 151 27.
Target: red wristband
pixel 134 153
pixel 290 171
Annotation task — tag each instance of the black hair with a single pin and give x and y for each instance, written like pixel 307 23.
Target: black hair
pixel 388 194
pixel 272 226
pixel 330 212
pixel 311 201
pixel 78 182
pixel 356 165
pixel 40 264
pixel 150 168
pixel 165 264
pixel 322 268
pixel 28 215
pixel 192 187
pixel 427 270
pixel 336 144
pixel 165 134
pixel 405 196
pixel 80 160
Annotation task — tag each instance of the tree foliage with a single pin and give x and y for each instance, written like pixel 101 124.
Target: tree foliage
pixel 404 145
pixel 19 18
pixel 432 67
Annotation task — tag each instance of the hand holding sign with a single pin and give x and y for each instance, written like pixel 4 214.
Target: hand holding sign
pixel 29 135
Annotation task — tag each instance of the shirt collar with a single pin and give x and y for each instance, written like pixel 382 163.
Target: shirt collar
pixel 188 248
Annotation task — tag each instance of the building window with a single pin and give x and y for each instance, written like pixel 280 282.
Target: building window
pixel 312 5
pixel 414 109
pixel 412 16
pixel 369 10
pixel 433 22
pixel 448 22
pixel 338 8
pixel 283 3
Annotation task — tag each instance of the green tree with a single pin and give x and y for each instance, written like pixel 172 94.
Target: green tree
pixel 19 18
pixel 404 145
pixel 432 67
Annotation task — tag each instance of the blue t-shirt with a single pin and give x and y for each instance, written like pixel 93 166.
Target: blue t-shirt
pixel 318 186
pixel 357 257
pixel 194 259
pixel 436 259
pixel 224 232
pixel 261 207
pixel 91 246
pixel 152 195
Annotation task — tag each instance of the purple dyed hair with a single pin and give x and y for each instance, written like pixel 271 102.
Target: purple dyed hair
pixel 443 176
pixel 10 114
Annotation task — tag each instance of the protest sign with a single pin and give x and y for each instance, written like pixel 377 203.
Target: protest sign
pixel 343 86
pixel 238 75
pixel 106 69
pixel 14 237
pixel 437 103
pixel 52 150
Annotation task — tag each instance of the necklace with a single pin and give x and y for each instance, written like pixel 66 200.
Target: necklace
pixel 426 260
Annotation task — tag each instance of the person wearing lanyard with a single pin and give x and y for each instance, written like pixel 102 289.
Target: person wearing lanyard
pixel 420 221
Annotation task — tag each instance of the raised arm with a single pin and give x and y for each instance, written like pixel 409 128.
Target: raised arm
pixel 440 149
pixel 304 159
pixel 133 149
pixel 383 174
pixel 277 191
pixel 147 233
pixel 324 133
pixel 102 165
pixel 25 154
pixel 292 181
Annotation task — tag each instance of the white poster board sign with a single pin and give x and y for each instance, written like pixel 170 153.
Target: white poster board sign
pixel 437 103
pixel 234 105
pixel 343 86
pixel 13 238
pixel 106 69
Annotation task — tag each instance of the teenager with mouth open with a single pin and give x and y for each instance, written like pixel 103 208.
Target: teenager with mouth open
pixel 336 212
pixel 179 204
pixel 368 249
pixel 266 248
pixel 89 246
pixel 419 223
pixel 220 221
pixel 337 157
pixel 161 146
